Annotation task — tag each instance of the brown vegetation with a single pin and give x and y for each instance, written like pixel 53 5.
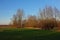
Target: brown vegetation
pixel 47 19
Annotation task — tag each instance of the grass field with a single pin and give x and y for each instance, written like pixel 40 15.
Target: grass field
pixel 28 34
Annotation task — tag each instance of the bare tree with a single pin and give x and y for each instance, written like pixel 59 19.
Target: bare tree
pixel 47 12
pixel 14 20
pixel 47 15
pixel 31 21
pixel 17 18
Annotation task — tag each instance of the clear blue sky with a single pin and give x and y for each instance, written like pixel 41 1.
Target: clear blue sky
pixel 31 7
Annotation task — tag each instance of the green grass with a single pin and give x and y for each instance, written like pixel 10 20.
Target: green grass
pixel 28 34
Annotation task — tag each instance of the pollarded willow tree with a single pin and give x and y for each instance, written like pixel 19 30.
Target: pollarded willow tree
pixel 17 18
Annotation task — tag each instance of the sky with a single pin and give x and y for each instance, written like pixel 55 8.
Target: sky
pixel 31 7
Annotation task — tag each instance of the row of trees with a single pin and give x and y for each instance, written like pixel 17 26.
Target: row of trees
pixel 48 19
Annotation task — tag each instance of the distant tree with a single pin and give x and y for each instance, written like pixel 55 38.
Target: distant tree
pixel 14 20
pixel 24 23
pixel 49 24
pixel 17 18
pixel 31 21
pixel 47 17
pixel 47 12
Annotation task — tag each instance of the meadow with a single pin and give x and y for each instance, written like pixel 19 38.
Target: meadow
pixel 28 34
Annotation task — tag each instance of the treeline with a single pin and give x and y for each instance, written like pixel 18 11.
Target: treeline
pixel 48 18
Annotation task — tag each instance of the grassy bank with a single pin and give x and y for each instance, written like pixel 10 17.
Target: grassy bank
pixel 28 34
